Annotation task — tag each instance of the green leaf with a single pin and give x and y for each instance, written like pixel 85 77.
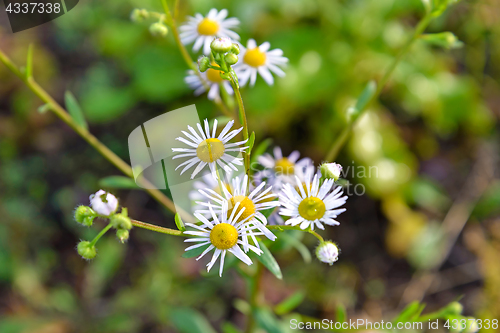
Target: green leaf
pixel 267 321
pixel 251 142
pixel 267 259
pixel 227 327
pixel 179 223
pixel 290 303
pixel 118 182
pixel 341 313
pixel 261 148
pixel 298 245
pixel 190 321
pixel 410 312
pixel 195 252
pixel 29 62
pixel 365 97
pixel 446 40
pixel 74 109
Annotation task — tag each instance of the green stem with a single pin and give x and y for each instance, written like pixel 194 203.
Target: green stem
pixel 156 228
pixel 342 138
pixel 103 231
pixel 60 112
pixel 289 227
pixel 185 55
pixel 243 119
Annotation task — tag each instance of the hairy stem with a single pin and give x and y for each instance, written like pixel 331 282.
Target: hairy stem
pixel 99 235
pixel 60 112
pixel 289 227
pixel 344 135
pixel 157 228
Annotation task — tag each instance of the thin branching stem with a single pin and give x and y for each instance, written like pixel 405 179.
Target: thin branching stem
pixel 341 139
pixel 243 119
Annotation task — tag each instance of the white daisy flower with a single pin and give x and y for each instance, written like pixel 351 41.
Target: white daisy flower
pixel 312 205
pixel 224 234
pixel 206 148
pixel 259 59
pixel 208 181
pixel 281 170
pixel 212 78
pixel 202 30
pixel 258 200
pixel 103 203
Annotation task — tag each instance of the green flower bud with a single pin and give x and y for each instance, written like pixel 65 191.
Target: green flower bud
pixel 86 250
pixel 472 326
pixel 454 308
pixel 121 221
pixel 231 59
pixel 85 215
pixel 139 15
pixel 203 63
pixel 221 45
pixel 331 170
pixel 122 235
pixel 158 29
pixel 235 48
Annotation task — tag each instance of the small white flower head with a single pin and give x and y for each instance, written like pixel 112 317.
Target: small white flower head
pixel 205 148
pixel 331 170
pixel 202 30
pixel 327 252
pixel 309 205
pixel 223 233
pixel 221 45
pixel 211 78
pixel 259 199
pixel 207 181
pixel 258 59
pixel 103 203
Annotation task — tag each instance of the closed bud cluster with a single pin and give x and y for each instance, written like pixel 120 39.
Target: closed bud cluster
pixel 231 59
pixel 203 63
pixel 85 215
pixel 122 235
pixel 235 48
pixel 221 45
pixel 121 221
pixel 158 29
pixel 86 250
pixel 331 171
pixel 139 15
pixel 327 252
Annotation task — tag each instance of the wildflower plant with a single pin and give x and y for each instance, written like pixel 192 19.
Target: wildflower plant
pixel 233 212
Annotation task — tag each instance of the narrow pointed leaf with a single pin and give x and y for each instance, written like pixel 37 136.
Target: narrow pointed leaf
pixel 74 109
pixel 179 223
pixel 341 314
pixel 267 259
pixel 289 303
pixel 188 320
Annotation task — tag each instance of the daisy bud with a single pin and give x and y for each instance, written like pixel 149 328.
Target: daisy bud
pixel 454 308
pixel 139 15
pixel 327 252
pixel 472 326
pixel 221 45
pixel 331 170
pixel 86 250
pixel 158 29
pixel 235 48
pixel 121 221
pixel 203 63
pixel 103 203
pixel 122 235
pixel 85 215
pixel 231 59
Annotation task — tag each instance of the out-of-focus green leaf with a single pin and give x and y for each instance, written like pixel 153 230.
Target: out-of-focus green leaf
pixel 411 311
pixel 290 303
pixel 179 223
pixel 251 141
pixel 298 245
pixel 227 327
pixel 267 321
pixel 118 182
pixel 443 39
pixel 267 259
pixel 190 321
pixel 195 252
pixel 365 97
pixel 341 313
pixel 427 247
pixel 489 204
pixel 261 149
pixel 74 109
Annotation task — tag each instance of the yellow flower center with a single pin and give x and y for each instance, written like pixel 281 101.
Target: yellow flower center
pixel 208 27
pixel 255 57
pixel 284 167
pixel 312 208
pixel 304 187
pixel 213 75
pixel 224 236
pixel 244 202
pixel 210 150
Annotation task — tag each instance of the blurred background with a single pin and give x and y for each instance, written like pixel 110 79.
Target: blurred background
pixel 427 226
